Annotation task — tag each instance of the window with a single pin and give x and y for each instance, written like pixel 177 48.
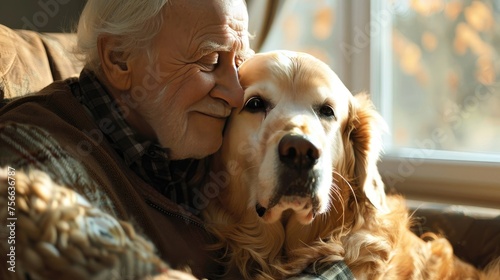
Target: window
pixel 434 72
pixel 433 69
pixel 443 74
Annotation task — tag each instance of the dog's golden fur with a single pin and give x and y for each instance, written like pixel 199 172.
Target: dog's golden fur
pixel 348 218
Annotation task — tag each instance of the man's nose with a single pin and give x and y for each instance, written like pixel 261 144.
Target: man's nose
pixel 228 86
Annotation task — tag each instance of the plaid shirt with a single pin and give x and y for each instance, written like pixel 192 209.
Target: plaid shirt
pixel 146 158
pixel 337 271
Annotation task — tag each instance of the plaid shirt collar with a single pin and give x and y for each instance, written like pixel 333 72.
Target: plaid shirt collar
pixel 148 159
pixel 330 271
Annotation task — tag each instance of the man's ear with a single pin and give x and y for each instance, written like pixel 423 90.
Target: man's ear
pixel 115 65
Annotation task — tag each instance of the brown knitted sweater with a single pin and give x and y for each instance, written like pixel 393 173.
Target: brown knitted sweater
pixel 51 132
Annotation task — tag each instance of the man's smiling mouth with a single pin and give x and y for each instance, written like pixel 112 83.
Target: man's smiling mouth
pixel 216 115
pixel 219 112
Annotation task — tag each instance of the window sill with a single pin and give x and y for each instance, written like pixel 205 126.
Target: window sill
pixel 464 182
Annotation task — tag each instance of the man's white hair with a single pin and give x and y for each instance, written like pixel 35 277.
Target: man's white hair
pixel 134 22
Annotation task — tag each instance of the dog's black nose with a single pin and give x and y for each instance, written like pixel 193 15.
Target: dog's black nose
pixel 297 152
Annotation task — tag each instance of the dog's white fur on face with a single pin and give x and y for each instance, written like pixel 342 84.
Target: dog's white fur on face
pixel 302 182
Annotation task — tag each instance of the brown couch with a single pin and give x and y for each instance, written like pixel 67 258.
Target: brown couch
pixel 30 61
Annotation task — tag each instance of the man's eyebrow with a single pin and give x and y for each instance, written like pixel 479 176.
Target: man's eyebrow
pixel 207 47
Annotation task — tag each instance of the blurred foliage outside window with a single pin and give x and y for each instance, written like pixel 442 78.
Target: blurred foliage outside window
pixel 446 84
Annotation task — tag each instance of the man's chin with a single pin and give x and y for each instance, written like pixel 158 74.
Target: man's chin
pixel 197 148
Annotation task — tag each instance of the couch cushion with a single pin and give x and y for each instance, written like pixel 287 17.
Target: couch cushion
pixel 30 60
pixel 473 232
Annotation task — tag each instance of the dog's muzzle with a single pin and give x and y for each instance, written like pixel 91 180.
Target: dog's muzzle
pixel 297 179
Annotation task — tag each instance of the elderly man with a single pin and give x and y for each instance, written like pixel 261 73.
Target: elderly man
pixel 159 82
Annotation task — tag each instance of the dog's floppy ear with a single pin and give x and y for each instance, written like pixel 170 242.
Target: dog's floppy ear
pixel 364 131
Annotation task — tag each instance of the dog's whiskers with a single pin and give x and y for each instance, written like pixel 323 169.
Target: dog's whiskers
pixel 249 168
pixel 336 192
pixel 336 196
pixel 354 195
pixel 350 188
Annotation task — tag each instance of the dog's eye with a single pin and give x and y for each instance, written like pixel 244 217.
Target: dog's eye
pixel 255 104
pixel 327 111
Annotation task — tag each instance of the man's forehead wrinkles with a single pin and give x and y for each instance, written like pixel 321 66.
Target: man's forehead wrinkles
pixel 236 24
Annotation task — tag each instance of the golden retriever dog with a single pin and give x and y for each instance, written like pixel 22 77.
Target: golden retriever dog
pixel 300 184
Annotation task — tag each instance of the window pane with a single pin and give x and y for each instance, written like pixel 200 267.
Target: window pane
pixel 309 26
pixel 445 74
